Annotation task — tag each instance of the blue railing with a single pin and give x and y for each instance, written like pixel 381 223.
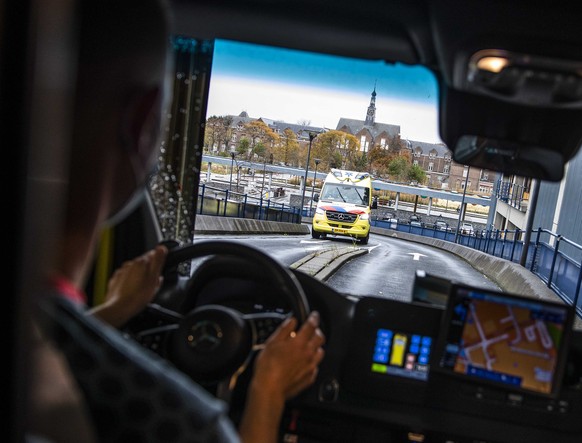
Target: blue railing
pixel 511 193
pixel 553 258
pixel 227 203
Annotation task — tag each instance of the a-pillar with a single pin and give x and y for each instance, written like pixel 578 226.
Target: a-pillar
pixel 396 201
pixel 208 173
pixel 429 206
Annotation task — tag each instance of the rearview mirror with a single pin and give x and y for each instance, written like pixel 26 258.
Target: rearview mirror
pixel 509 157
pixel 316 198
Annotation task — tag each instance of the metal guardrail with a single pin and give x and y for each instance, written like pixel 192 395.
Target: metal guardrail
pixel 512 193
pixel 561 270
pixel 377 184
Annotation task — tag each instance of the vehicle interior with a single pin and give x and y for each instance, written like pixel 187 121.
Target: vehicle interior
pixel 509 78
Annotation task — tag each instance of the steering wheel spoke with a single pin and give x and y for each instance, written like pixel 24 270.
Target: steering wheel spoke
pixel 263 324
pixel 154 338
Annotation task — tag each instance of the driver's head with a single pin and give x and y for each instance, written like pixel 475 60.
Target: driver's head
pixel 122 66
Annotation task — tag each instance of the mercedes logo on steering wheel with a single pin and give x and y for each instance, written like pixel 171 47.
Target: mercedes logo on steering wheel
pixel 205 336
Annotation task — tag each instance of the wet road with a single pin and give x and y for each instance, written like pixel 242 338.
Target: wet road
pixel 388 269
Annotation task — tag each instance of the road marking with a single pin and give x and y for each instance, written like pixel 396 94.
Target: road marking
pixel 416 255
pixel 314 241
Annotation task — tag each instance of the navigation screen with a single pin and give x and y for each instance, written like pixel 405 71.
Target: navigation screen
pixel 510 341
pixel 402 354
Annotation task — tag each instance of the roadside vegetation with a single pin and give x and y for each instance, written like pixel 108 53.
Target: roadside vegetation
pixel 332 149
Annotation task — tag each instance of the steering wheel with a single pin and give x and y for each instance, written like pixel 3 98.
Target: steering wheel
pixel 213 343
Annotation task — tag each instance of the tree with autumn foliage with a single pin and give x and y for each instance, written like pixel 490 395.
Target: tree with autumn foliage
pixel 287 149
pixel 262 138
pixel 380 156
pixel 218 132
pixel 335 149
pixel 378 160
pixel 395 145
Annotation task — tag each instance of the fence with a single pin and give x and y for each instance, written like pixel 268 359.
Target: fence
pixel 561 270
pixel 512 193
pixel 226 203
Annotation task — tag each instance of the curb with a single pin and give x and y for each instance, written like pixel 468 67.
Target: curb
pixel 323 264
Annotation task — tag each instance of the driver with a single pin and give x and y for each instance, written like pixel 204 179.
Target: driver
pixel 122 65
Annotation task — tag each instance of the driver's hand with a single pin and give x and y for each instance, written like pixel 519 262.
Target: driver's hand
pixel 285 367
pixel 289 362
pixel 132 287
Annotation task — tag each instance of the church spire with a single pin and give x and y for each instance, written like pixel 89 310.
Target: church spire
pixel 371 113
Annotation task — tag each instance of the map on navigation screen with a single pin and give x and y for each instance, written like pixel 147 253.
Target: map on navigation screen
pixel 510 341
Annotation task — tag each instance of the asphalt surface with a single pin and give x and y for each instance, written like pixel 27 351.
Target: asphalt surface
pixel 509 276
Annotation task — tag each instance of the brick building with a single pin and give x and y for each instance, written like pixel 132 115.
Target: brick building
pixel 435 159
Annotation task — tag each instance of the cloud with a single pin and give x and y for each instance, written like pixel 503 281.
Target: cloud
pixel 295 103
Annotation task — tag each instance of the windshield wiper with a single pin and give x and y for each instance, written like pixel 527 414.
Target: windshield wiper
pixel 360 195
pixel 341 196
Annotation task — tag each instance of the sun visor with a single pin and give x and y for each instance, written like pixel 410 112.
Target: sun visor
pixel 318 28
pixel 510 138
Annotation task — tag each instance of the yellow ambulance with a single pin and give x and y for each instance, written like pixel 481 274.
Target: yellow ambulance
pixel 344 206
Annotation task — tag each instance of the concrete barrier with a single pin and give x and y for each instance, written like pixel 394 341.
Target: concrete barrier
pixel 510 277
pixel 207 224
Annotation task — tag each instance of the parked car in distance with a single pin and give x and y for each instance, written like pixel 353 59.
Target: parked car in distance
pixel 415 220
pixel 389 216
pixel 441 225
pixel 467 228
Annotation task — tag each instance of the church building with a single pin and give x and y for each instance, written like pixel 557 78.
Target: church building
pixel 368 131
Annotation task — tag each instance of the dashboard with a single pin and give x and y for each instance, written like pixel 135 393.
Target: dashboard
pixel 456 364
pixel 386 377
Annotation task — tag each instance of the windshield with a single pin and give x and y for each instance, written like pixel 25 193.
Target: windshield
pixel 346 194
pixel 278 121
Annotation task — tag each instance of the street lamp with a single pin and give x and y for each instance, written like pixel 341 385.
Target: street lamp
pixel 265 173
pixel 312 135
pixel 316 160
pixel 461 211
pixel 231 166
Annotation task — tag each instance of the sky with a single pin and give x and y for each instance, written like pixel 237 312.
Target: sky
pixel 297 87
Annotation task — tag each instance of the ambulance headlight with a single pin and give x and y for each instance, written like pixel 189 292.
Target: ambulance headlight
pixel 364 216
